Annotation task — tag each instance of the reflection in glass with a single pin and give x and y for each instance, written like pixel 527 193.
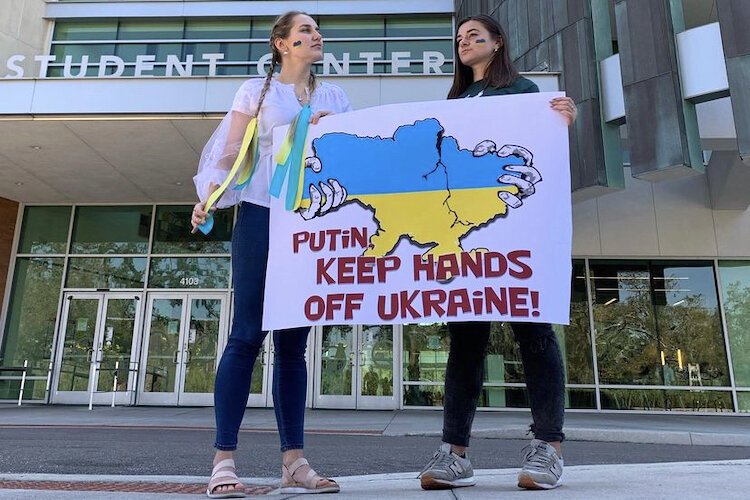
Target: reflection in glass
pixel 337 359
pixel 658 323
pixel 150 29
pixel 424 360
pixel 418 26
pixel 625 323
pixel 376 350
pixel 575 338
pixel 85 30
pixel 423 395
pixel 172 232
pixel 735 290
pixel 32 311
pixel 189 272
pixel 116 229
pixel 106 272
pixel 117 344
pixel 670 400
pixel 44 230
pixel 78 350
pixel 259 371
pixel 163 345
pixel 202 344
pixel 743 400
pixel 217 29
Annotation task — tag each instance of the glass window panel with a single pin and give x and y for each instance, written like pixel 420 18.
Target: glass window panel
pixel 116 229
pixel 261 28
pixel 34 390
pixel 689 334
pixel 743 399
pixel 419 47
pixel 575 338
pixel 354 49
pixel 419 26
pixel 503 362
pixel 423 395
pixel 735 291
pixel 189 272
pixel 172 232
pixel 223 29
pixel 626 340
pixel 336 360
pixel 94 51
pixel 659 399
pixel 44 230
pixel 425 352
pixel 258 50
pixel 130 51
pixel 352 27
pixel 30 327
pixel 86 30
pixel 151 30
pixel 106 272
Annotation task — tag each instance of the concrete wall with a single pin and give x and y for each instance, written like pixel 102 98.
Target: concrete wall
pixel 22 31
pixel 8 214
pixel 672 218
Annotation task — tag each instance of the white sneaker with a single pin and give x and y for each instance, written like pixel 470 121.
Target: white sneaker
pixel 542 467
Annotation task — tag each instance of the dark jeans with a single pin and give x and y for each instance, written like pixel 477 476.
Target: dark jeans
pixel 232 388
pixel 542 364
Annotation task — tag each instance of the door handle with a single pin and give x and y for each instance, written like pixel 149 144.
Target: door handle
pixel 89 355
pixel 187 356
pixel 174 358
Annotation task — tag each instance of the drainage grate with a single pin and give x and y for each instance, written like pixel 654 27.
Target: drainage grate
pixel 134 487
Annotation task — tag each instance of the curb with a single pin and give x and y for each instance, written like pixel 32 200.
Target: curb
pixel 616 436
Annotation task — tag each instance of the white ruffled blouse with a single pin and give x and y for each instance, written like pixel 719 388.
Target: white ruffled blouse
pixel 280 106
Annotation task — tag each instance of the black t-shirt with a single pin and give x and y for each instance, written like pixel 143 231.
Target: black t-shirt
pixel 521 85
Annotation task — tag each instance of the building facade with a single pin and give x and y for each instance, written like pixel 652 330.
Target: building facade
pixel 105 107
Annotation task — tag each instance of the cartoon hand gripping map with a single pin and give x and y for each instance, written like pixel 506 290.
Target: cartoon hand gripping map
pixel 419 184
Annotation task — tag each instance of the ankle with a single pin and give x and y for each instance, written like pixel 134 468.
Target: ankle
pixel 223 455
pixel 290 456
pixel 459 450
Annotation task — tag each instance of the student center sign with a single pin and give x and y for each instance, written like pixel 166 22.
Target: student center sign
pixel 369 46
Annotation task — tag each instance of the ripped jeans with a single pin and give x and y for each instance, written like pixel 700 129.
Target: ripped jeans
pixel 542 364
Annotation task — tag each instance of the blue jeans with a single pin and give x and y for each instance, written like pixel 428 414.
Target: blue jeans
pixel 232 388
pixel 542 365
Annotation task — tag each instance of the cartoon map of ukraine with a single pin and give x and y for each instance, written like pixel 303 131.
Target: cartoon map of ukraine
pixel 419 184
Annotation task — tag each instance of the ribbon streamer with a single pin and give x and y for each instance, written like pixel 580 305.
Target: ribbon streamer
pixel 248 168
pixel 291 159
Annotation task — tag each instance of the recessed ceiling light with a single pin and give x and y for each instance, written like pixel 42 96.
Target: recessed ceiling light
pixel 19 183
pixel 35 148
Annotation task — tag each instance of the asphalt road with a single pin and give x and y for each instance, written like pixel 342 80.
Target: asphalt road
pixel 188 452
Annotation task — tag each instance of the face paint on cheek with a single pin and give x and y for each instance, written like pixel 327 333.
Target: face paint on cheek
pixel 480 40
pixel 297 43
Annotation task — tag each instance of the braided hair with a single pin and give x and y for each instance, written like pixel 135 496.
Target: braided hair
pixel 281 29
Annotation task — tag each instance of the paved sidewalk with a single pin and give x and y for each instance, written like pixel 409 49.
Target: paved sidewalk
pixel 688 480
pixel 670 428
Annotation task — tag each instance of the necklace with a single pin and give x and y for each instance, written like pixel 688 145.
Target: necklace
pixel 303 98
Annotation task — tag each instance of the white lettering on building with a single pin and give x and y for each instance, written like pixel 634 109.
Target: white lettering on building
pixel 111 66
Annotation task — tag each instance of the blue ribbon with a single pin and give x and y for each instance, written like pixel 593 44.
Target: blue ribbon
pixel 293 164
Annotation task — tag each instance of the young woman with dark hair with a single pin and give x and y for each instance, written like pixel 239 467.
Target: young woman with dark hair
pixel 484 68
pixel 296 44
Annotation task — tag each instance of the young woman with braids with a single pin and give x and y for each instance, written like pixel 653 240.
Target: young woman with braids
pixel 296 44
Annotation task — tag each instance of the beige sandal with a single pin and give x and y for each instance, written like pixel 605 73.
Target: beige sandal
pixel 310 483
pixel 225 474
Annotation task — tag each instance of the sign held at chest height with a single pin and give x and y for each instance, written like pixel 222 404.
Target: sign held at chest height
pixel 442 211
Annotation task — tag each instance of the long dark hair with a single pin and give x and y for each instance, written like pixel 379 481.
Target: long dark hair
pixel 499 73
pixel 281 29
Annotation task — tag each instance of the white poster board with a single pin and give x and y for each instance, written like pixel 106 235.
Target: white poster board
pixel 455 210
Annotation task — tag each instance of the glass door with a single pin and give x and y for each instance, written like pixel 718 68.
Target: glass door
pixel 97 334
pixel 356 367
pixel 182 340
